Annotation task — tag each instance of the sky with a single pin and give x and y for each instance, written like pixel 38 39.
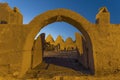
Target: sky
pixel 86 8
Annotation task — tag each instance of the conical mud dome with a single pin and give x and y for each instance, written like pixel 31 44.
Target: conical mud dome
pixel 59 40
pixel 50 39
pixel 69 41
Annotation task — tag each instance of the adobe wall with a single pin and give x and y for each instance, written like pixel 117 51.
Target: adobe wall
pixel 105 39
pixel 37 51
pixel 9 15
pixel 79 42
pixel 81 49
pixel 12 39
pixel 106 46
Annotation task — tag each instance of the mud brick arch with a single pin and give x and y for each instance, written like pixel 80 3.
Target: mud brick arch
pixel 52 16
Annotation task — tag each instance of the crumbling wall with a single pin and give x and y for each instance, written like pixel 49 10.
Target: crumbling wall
pixel 11 45
pixel 37 51
pixel 106 48
pixel 81 49
pixel 16 41
pixel 9 15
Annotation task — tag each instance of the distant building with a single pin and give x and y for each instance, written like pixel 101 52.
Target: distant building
pixel 60 44
pixel 69 44
pixel 49 39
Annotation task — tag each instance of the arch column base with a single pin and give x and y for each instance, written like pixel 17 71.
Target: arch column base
pixel 26 63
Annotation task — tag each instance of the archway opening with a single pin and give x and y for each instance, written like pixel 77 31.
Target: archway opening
pixel 61 54
pixel 59 15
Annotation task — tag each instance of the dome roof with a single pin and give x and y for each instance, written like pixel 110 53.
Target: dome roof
pixel 49 39
pixel 69 40
pixel 59 40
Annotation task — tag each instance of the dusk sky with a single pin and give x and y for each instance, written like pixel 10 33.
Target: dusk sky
pixel 86 8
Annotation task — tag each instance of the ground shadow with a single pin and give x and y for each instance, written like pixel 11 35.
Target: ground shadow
pixel 66 62
pixel 58 64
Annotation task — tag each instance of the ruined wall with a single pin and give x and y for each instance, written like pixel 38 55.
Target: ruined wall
pixel 9 15
pixel 11 45
pixel 81 49
pixel 37 51
pixel 15 17
pixel 79 42
pixel 106 46
pixel 103 16
pixel 105 42
pixel 100 46
pixel 16 41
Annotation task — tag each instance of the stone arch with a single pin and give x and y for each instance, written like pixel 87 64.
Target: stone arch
pixel 52 16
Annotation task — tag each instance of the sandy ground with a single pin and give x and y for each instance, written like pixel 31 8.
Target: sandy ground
pixel 108 77
pixel 60 66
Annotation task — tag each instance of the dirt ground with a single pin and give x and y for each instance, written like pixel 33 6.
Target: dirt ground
pixel 60 66
pixel 108 77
